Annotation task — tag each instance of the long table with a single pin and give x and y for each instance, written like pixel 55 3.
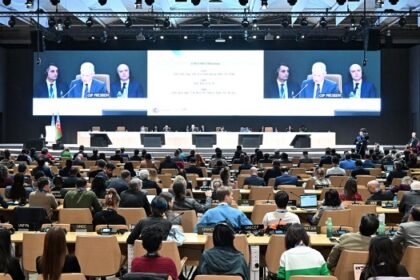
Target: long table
pixel 224 140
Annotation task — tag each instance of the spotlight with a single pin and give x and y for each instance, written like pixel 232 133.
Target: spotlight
pixel 195 2
pixel 137 4
pixel 292 2
pixel 89 22
pixel 285 22
pixel 393 2
pixel 54 2
pixel 51 22
pixel 402 21
pixel 185 37
pixel 149 2
pixel 255 25
pixel 379 3
pixel 128 22
pixel 162 37
pixel 67 23
pixel 341 2
pixel 59 27
pixel 206 22
pixel 304 22
pixel 245 23
pixel 12 21
pixel 7 2
pixel 264 4
pixel 29 4
pixel 102 2
pixel 243 2
pixel 323 22
pixel 115 37
pixel 167 23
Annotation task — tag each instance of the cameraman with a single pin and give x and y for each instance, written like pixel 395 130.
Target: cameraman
pixel 361 141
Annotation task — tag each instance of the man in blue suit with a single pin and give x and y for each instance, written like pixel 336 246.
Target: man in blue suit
pixel 318 86
pixel 358 88
pixel 51 87
pixel 86 86
pixel 126 88
pixel 282 88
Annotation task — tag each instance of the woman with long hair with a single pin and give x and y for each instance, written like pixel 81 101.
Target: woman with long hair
pixel 187 203
pixel 199 160
pixel 55 259
pixel 382 260
pixel 8 263
pixel 350 191
pixel 18 191
pixel 109 216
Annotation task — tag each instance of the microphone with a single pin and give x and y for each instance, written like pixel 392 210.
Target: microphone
pixel 176 217
pixel 268 199
pixel 65 95
pixel 300 91
pixel 298 196
pixel 274 226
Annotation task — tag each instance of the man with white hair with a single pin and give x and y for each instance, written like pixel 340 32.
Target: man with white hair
pixel 409 199
pixel 126 87
pixel 148 184
pixel 318 86
pixel 86 86
pixel 377 194
pixel 357 87
pixel 133 197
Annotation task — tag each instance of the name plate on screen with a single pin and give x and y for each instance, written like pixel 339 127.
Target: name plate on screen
pixel 97 95
pixel 330 95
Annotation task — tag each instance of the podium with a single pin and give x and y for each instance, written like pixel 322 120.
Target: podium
pixel 204 140
pixel 250 140
pixel 99 140
pixel 152 140
pixel 301 141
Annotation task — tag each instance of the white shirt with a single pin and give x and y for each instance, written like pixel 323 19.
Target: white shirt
pixel 316 86
pixel 358 92
pixel 284 215
pixel 54 88
pixel 286 91
pixel 124 94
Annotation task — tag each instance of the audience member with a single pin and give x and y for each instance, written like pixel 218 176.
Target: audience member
pixel 8 263
pixel 130 167
pixel 82 198
pixel 98 186
pixel 94 156
pixel 71 180
pixel 406 181
pixel 326 158
pixel 134 197
pixel 216 157
pixel 147 162
pixel 348 163
pixel 100 167
pixel 81 151
pixel 320 181
pixel 331 202
pixel 18 191
pixel 359 170
pixel 350 191
pixel 120 183
pixel 409 199
pixel 136 156
pixel 193 169
pixel 148 184
pixel 336 170
pixel 117 156
pixel 168 163
pixel 285 178
pixel 254 179
pixel 188 203
pixel 409 232
pixel 377 194
pixel 79 161
pixel 273 172
pixel 398 172
pixel 281 216
pixel 42 197
pixel 109 216
pixel 305 158
pixel 42 167
pixel 173 217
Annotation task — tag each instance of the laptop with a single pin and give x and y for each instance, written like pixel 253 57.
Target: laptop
pixel 389 168
pixel 308 201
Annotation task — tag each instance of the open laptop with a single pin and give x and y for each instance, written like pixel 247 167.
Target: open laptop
pixel 308 201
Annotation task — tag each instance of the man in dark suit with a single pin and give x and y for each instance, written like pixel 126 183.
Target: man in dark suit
pixel 126 88
pixel 51 88
pixel 254 179
pixel 86 86
pixel 282 88
pixel 318 86
pixel 409 199
pixel 358 88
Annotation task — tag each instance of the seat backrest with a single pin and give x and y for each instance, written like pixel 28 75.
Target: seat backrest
pixel 259 212
pixel 75 216
pixel 297 277
pixel 345 266
pixel 276 246
pixel 98 256
pixel 296 171
pixel 101 77
pixel 261 193
pixel 362 180
pixel 33 247
pixel 271 182
pixel 241 179
pixel 268 129
pixel 132 215
pixel 166 180
pixel 411 261
pixel 338 217
pixel 396 181
pixel 377 172
pixel 307 165
pixel 293 192
pixel 337 78
pixel 171 171
pixel 364 192
pixel 357 211
pixel 188 220
pixel 218 277
pixel 29 218
pixel 8 277
pixel 338 181
pixel 192 177
pixel 240 242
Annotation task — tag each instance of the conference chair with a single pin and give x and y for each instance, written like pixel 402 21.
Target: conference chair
pixel 241 179
pixel 297 171
pixel 29 218
pixel 310 184
pixel 188 219
pixel 240 243
pixel 168 249
pixel 377 172
pixel 33 247
pixel 90 163
pixel 400 194
pixel 338 181
pixel 261 193
pixel 259 211
pixel 192 177
pixel 396 181
pixel 271 182
pixel 338 217
pixel 235 166
pixel 307 165
pixel 275 248
pixel 218 277
pixel 98 256
pixel 6 276
pixel 293 192
pixel 67 276
pixel 411 261
pixel 298 277
pixel 357 211
pixel 66 227
pixel 364 192
pixel 362 180
pixel 245 171
pixel 344 269
pixel 166 180
pixel 337 78
pixel 326 166
pixel 132 215
pixel 170 171
pixel 268 129
pixel 75 216
pixel 101 77
pixel 236 193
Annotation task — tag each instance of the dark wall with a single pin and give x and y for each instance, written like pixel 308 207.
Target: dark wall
pixel 2 88
pixel 415 88
pixel 392 127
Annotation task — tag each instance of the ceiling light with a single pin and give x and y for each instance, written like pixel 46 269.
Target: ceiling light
pixel 12 21
pixel 230 37
pixel 254 25
pixel 341 2
pixel 402 21
pixel 292 2
pixel 185 37
pixel 67 23
pixel 92 37
pixel 29 4
pixel 304 22
pixel 278 37
pixel 59 27
pixel 206 22
pixel 285 22
pixel 7 2
pixel 137 4
pixel 128 22
pixel 254 36
pixel 162 37
pixel 167 23
pixel 393 2
pixel 243 2
pixel 51 22
pixel 149 2
pixel 264 4
pixel 115 37
pixel 54 2
pixel 379 3
pixel 245 23
pixel 89 22
pixel 195 2
pixel 323 22
pixel 102 2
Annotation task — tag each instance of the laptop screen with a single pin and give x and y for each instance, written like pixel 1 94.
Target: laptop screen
pixel 308 201
pixel 389 168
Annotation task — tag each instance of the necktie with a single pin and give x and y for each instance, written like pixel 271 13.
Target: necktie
pixel 86 91
pixel 122 90
pixel 51 91
pixel 356 88
pixel 282 91
pixel 318 91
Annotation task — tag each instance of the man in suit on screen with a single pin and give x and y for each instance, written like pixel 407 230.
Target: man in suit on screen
pixel 51 87
pixel 357 87
pixel 282 88
pixel 318 85
pixel 86 86
pixel 125 87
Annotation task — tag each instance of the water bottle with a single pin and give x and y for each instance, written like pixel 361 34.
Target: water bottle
pixel 329 227
pixel 395 202
pixel 381 228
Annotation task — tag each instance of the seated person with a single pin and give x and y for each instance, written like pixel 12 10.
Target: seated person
pixel 223 258
pixel 398 172
pixel 376 193
pixel 305 158
pixel 82 198
pixel 404 186
pixel 319 178
pixel 224 212
pixel 254 179
pixel 285 178
pixel 8 262
pixel 188 203
pixel 175 218
pixel 348 163
pixel 152 237
pixel 144 175
pixel 336 170
pixel 273 172
pixel 109 216
pixel 331 202
pixel 193 168
pixel 281 216
pixel 300 259
pixel 359 170
pixel 408 233
pixel 246 165
pixel 134 197
pixel 42 197
pixel 409 199
pixel 350 191
pixel 355 241
pixel 18 191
